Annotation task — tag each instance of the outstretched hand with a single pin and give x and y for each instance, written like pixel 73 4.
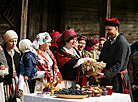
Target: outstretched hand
pixel 49 74
pixel 2 67
pixel 100 75
pixel 134 87
pixel 88 59
pixel 93 60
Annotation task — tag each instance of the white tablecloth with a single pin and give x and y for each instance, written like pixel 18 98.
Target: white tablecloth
pixel 115 97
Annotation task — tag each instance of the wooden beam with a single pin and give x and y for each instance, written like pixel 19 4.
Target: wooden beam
pixel 60 15
pixel 51 19
pixel 108 9
pixel 102 17
pixel 56 15
pixel 24 19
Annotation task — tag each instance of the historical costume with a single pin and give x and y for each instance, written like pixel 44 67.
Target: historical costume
pixel 115 53
pixel 47 62
pixel 13 60
pixel 66 63
pixel 28 69
pixel 92 47
pixel 2 74
pixel 117 58
pixel 68 58
pixel 83 54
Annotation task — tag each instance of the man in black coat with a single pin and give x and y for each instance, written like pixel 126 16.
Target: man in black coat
pixel 115 53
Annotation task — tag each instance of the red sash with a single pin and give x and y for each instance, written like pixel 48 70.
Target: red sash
pixel 126 91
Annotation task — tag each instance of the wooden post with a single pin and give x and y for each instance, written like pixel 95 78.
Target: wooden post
pixel 102 17
pixel 56 15
pixel 61 15
pixel 24 19
pixel 108 9
pixel 51 19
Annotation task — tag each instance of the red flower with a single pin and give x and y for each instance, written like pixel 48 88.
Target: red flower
pixel 46 38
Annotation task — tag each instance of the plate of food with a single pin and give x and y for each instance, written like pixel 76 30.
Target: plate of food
pixel 93 91
pixel 71 96
pixel 74 92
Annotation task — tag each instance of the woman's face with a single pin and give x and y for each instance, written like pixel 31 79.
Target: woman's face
pixel 11 44
pixel 72 42
pixel 101 44
pixel 81 45
pixel 45 46
pixel 95 47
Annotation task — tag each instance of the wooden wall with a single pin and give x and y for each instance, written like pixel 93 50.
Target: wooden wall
pixel 83 16
pixel 45 16
pixel 127 13
pixel 37 17
pixel 3 23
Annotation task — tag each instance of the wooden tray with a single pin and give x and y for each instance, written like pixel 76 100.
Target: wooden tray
pixel 71 96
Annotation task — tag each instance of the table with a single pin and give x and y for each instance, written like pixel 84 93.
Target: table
pixel 115 97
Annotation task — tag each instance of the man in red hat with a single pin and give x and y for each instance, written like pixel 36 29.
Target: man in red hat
pixel 115 53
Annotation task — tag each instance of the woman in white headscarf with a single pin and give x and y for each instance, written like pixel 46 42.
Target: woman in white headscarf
pixel 13 57
pixel 47 62
pixel 28 69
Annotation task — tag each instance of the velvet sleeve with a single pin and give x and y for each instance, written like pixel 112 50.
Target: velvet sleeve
pixel 71 63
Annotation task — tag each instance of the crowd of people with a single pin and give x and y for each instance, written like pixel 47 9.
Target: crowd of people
pixel 54 60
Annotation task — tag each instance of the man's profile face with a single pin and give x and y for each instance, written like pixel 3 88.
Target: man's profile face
pixel 111 31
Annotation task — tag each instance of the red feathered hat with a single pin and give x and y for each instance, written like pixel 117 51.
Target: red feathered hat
pixel 54 35
pixel 91 42
pixel 112 22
